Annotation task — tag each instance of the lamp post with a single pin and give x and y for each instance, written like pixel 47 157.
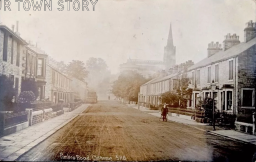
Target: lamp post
pixel 213 87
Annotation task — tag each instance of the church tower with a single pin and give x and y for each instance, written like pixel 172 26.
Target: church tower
pixel 169 52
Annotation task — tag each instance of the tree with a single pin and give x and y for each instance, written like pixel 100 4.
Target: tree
pixel 181 96
pixel 127 86
pixel 170 98
pixel 96 64
pixel 99 75
pixel 184 92
pixel 29 85
pixel 7 92
pixel 77 69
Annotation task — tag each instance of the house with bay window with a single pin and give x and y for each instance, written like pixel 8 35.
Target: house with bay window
pixel 228 75
pixel 34 68
pixel 232 70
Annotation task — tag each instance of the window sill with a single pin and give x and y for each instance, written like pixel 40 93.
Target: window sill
pixel 244 107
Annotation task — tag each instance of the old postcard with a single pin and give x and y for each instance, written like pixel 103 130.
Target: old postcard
pixel 128 80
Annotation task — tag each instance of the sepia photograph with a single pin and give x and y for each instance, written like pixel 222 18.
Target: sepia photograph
pixel 128 80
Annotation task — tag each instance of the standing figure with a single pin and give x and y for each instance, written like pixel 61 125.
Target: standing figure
pixel 164 112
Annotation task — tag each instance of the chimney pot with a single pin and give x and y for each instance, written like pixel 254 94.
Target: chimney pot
pixel 17 28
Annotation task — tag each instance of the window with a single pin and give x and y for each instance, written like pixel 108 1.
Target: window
pixel 193 78
pixel 18 56
pixel 12 52
pixel 207 95
pixel 198 77
pixel 217 73
pixel 12 79
pixel 209 75
pixel 247 97
pixel 39 67
pixel 5 50
pixel 231 72
pixel 16 83
pixel 229 100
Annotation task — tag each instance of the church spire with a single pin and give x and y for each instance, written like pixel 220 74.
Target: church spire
pixel 169 52
pixel 170 40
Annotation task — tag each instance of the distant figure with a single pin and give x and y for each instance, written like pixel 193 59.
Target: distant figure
pixel 108 97
pixel 164 112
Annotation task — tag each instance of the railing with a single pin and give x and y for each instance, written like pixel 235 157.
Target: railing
pixel 194 113
pixel 11 119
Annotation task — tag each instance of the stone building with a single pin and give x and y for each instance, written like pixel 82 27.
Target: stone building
pixel 34 68
pixel 149 68
pixel 231 69
pixel 228 75
pixel 58 86
pixel 12 47
pixel 150 92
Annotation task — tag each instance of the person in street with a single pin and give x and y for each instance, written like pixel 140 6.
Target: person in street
pixel 164 112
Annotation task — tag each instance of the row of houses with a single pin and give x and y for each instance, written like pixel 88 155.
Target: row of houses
pixel 228 75
pixel 21 61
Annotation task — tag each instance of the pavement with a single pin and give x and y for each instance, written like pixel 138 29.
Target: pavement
pixel 14 145
pixel 229 134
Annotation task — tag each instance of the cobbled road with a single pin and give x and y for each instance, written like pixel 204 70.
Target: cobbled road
pixel 113 131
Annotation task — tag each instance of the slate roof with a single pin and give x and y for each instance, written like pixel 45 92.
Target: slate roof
pixel 224 55
pixel 4 27
pixel 35 49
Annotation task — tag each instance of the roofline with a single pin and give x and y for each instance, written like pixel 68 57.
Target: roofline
pixel 214 62
pixel 35 51
pixel 59 71
pixel 227 58
pixel 14 34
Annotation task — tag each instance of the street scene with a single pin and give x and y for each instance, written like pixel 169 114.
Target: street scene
pixel 137 80
pixel 110 130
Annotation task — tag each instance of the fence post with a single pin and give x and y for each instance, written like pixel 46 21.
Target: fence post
pixel 43 115
pixel 253 121
pixel 2 123
pixel 29 116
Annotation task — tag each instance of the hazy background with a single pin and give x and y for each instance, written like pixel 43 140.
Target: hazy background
pixel 120 29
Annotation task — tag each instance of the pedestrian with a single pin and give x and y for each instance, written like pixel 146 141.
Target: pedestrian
pixel 164 112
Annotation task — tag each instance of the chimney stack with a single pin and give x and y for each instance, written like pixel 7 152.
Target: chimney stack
pixel 230 41
pixel 17 28
pixel 213 48
pixel 249 31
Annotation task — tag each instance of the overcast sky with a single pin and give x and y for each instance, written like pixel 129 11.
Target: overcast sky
pixel 138 29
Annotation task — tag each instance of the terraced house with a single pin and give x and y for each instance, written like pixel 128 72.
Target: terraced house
pixel 232 71
pixel 228 75
pixel 34 68
pixel 150 92
pixel 12 47
pixel 58 87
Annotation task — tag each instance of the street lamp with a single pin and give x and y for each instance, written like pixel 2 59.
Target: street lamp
pixel 213 87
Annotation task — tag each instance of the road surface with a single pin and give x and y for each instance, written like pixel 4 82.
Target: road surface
pixel 112 131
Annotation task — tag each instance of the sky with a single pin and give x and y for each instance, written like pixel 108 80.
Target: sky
pixel 137 29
